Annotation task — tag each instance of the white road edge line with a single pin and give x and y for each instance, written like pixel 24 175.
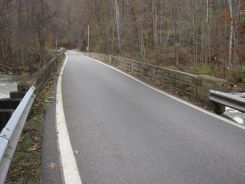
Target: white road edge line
pixel 173 97
pixel 67 158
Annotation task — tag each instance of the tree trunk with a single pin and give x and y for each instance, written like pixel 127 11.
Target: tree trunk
pixel 232 33
pixel 118 26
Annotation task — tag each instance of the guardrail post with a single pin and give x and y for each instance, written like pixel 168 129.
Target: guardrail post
pixel 154 72
pixel 110 59
pixel 218 108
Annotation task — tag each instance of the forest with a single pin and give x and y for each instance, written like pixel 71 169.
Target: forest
pixel 197 36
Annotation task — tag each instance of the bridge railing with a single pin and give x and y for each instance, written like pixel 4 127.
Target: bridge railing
pixel 193 86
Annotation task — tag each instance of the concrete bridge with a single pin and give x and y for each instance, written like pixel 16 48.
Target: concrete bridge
pixel 113 128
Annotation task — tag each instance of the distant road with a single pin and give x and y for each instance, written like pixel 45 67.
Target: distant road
pixel 127 133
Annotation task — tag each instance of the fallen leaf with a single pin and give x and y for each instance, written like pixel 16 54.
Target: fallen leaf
pixel 34 147
pixel 52 165
pixel 35 138
pixel 76 152
pixel 21 139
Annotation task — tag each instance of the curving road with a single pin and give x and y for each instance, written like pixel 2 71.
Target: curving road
pixel 128 133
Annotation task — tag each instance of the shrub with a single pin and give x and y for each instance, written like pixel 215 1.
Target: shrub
pixel 205 69
pixel 242 18
pixel 238 75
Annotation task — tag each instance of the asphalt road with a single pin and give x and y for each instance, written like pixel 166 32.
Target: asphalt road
pixel 127 133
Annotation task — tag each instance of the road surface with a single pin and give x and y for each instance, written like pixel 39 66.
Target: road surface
pixel 127 133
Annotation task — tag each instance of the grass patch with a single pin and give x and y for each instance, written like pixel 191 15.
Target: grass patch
pixel 26 164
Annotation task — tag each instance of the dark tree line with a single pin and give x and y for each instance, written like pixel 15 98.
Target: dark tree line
pixel 23 25
pixel 164 32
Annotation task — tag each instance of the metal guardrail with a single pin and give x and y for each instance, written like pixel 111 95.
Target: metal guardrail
pixel 229 100
pixel 10 135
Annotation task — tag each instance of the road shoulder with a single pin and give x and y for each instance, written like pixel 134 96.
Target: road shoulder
pixel 50 164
